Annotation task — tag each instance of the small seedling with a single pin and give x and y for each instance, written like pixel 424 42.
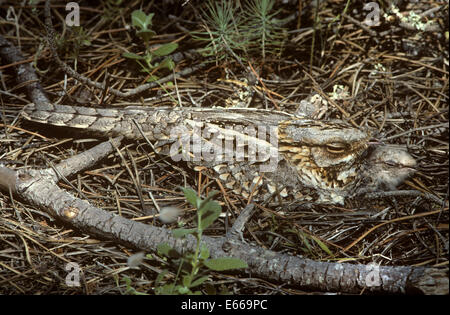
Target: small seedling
pixel 193 267
pixel 235 31
pixel 143 23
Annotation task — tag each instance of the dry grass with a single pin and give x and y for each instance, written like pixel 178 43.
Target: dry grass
pixel 406 100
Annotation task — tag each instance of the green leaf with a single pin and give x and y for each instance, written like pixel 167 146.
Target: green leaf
pixel 148 58
pixel 166 289
pixel 129 289
pixel 187 281
pixel 166 250
pixel 179 233
pixel 190 196
pixel 183 290
pixel 167 63
pixel 146 35
pixel 209 213
pixel 152 78
pixel 127 282
pixel 225 263
pixel 135 292
pixel 165 49
pixel 132 56
pixel 205 203
pixel 322 245
pixel 306 243
pixel 199 281
pixel 204 252
pixel 212 193
pixel 141 20
pixel 208 204
pixel 208 218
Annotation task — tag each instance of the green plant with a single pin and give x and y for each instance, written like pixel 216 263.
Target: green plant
pixel 129 289
pixel 143 23
pixel 232 33
pixel 72 42
pixel 222 30
pixel 111 9
pixel 260 21
pixel 307 241
pixel 193 267
pixel 81 38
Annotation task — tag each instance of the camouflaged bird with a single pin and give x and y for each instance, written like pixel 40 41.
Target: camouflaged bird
pixel 255 153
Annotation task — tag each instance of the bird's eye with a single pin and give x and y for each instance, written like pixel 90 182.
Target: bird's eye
pixel 390 163
pixel 336 147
